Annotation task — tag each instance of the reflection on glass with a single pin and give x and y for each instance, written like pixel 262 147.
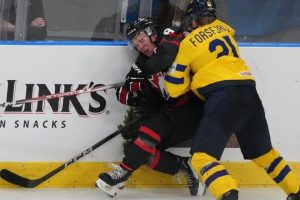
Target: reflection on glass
pixel 265 21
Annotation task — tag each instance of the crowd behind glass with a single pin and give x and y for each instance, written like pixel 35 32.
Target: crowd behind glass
pixel 106 20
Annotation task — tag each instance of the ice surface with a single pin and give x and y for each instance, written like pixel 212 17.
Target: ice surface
pixel 129 194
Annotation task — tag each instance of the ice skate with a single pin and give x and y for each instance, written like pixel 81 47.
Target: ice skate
pixel 113 181
pixel 230 195
pixel 191 177
pixel 294 196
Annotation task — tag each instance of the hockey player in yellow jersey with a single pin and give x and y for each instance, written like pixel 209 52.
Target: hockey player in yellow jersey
pixel 209 64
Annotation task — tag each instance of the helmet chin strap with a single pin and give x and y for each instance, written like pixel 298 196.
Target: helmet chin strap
pixel 152 39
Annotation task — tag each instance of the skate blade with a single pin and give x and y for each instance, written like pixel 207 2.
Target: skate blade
pixel 109 190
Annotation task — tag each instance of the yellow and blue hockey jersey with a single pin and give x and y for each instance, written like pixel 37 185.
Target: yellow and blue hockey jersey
pixel 208 59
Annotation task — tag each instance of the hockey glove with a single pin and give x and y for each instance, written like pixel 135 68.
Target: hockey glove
pixel 135 80
pixel 129 98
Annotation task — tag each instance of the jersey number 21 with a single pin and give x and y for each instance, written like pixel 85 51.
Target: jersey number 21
pixel 225 51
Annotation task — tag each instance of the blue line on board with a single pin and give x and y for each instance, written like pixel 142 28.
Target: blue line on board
pixel 125 43
pixel 65 43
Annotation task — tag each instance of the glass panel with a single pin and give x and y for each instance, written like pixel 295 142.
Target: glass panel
pixel 7 17
pixel 262 21
pixel 253 20
pixel 36 21
pixel 21 20
pixel 169 13
pixel 82 19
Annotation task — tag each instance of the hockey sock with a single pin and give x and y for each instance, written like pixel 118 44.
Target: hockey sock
pixel 213 174
pixel 278 170
pixel 165 162
pixel 141 149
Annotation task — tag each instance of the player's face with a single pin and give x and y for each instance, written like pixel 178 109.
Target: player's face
pixel 143 44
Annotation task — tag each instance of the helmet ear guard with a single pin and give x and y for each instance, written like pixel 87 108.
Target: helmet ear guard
pixel 149 31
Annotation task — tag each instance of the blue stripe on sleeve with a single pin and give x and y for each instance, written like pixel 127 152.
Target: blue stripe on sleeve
pixel 174 80
pixel 180 68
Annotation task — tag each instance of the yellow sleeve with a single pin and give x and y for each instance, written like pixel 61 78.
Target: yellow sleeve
pixel 177 79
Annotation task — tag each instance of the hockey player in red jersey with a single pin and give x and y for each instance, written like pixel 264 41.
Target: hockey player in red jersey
pixel 166 122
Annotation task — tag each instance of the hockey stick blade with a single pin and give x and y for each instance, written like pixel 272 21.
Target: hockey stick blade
pixel 16 179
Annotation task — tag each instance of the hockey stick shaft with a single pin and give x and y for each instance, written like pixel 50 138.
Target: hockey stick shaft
pixel 31 183
pixel 63 94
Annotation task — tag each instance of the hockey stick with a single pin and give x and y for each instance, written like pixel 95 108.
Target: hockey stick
pixel 29 183
pixel 86 89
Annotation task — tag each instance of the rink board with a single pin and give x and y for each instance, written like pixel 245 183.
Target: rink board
pixel 84 175
pixel 37 137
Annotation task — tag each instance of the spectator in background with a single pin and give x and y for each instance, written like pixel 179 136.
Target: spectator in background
pixel 105 29
pixel 36 23
pixel 169 13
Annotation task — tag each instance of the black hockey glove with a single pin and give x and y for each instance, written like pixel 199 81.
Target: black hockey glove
pixel 135 79
pixel 129 98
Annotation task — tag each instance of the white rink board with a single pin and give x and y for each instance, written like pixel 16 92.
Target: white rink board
pixel 276 69
pixel 74 132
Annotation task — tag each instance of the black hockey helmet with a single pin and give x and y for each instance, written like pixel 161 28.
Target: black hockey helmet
pixel 202 8
pixel 142 24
